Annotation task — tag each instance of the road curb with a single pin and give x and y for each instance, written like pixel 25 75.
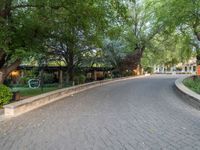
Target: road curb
pixel 189 96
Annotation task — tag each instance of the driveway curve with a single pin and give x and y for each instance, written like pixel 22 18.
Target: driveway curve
pixel 138 114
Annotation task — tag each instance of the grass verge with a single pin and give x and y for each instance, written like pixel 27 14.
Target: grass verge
pixel 27 92
pixel 193 83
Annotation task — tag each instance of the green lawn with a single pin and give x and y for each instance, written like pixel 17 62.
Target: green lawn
pixel 25 91
pixel 193 84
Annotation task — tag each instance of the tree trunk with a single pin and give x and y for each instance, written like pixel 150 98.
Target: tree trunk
pixel 42 79
pixel 1 77
pixel 66 77
pixel 131 62
pixel 71 73
pixel 71 64
pixel 6 70
pixel 60 78
pixel 5 12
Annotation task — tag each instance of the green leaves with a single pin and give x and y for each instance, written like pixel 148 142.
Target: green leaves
pixel 5 95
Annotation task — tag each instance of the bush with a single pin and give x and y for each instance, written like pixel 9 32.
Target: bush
pixel 82 79
pixel 5 95
pixel 116 74
pixel 148 70
pixel 193 83
pixel 76 80
pixel 79 79
pixel 127 73
pixel 24 80
pixel 48 78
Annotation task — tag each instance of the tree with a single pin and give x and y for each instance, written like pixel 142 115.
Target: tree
pixel 21 33
pixel 168 50
pixel 181 16
pixel 141 28
pixel 78 30
pixel 114 51
pixel 28 27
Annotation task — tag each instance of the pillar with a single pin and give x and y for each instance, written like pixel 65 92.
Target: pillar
pixel 163 69
pixel 22 73
pixel 60 78
pixel 95 75
pixel 183 69
pixel 188 69
pixel 1 77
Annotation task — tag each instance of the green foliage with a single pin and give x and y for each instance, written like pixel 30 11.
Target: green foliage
pixel 82 79
pixel 168 49
pixel 181 17
pixel 24 80
pixel 148 70
pixel 76 80
pixel 79 79
pixel 116 74
pixel 113 52
pixel 23 33
pixel 29 74
pixel 127 73
pixel 193 83
pixel 26 91
pixel 48 78
pixel 88 33
pixel 5 95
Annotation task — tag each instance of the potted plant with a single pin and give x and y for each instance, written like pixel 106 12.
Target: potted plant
pixel 16 95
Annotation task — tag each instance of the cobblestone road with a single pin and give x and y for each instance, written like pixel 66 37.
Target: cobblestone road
pixel 139 114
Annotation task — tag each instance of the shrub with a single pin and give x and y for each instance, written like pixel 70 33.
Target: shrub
pixel 127 73
pixel 76 80
pixel 193 83
pixel 79 79
pixel 5 95
pixel 24 80
pixel 48 78
pixel 116 74
pixel 82 79
pixel 148 70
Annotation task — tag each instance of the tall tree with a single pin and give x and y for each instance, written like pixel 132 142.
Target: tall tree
pixel 182 16
pixel 28 26
pixel 168 50
pixel 140 30
pixel 79 27
pixel 21 33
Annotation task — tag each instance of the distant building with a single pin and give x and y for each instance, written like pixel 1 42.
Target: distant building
pixel 188 67
pixel 181 68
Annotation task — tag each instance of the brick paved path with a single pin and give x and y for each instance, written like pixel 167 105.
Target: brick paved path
pixel 138 114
